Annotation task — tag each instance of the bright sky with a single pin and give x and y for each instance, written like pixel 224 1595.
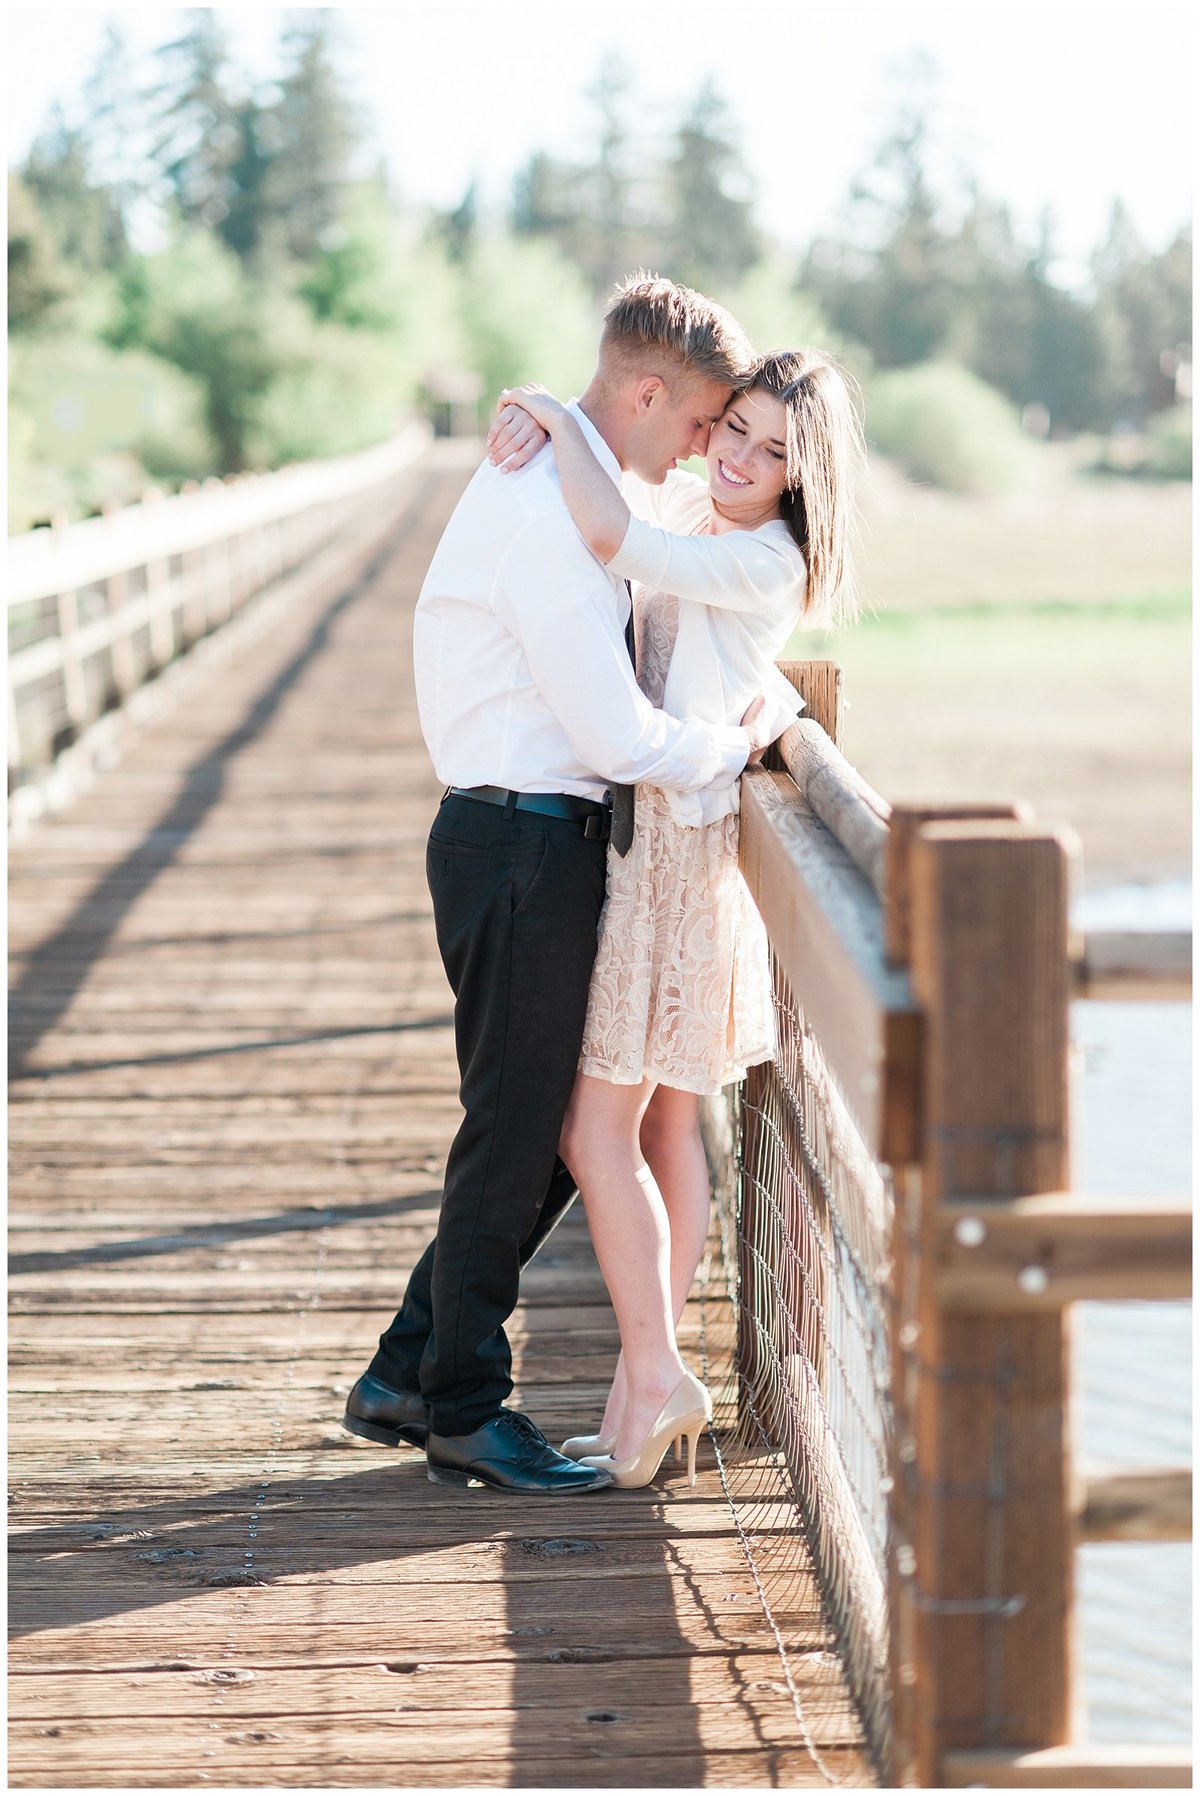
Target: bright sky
pixel 1066 105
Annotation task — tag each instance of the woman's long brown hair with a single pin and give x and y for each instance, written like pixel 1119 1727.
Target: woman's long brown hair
pixel 825 452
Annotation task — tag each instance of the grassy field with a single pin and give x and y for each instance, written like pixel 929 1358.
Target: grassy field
pixel 1037 646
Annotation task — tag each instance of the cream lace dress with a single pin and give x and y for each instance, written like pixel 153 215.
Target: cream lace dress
pixel 681 990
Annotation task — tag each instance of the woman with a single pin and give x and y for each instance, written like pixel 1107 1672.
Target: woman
pixel 680 999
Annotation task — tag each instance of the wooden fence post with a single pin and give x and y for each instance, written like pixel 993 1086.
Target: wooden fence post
pixel 124 670
pixel 74 686
pixel 116 592
pixel 903 827
pixel 981 1565
pixel 820 684
pixel 15 762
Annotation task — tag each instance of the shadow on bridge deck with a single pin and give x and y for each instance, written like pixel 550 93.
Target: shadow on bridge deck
pixel 233 1090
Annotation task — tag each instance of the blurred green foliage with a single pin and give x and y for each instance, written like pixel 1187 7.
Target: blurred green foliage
pixel 1169 444
pixel 944 425
pixel 527 315
pixel 89 425
pixel 294 308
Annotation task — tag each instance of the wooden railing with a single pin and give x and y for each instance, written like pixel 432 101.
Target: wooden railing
pixel 96 610
pixel 932 953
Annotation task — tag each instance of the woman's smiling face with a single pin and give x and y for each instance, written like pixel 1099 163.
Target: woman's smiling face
pixel 747 457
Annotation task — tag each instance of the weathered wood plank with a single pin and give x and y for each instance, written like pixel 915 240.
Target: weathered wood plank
pixel 370 1530
pixel 179 1561
pixel 380 1688
pixel 249 1627
pixel 404 1729
pixel 313 1759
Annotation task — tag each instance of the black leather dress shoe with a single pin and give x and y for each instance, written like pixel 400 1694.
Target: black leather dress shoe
pixel 509 1453
pixel 378 1413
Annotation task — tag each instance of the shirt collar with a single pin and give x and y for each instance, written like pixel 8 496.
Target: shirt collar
pixel 596 442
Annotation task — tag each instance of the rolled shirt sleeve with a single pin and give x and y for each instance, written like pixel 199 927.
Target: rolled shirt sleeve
pixel 577 659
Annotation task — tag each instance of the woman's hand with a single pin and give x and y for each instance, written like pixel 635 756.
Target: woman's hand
pixel 755 727
pixel 542 406
pixel 514 438
pixel 525 421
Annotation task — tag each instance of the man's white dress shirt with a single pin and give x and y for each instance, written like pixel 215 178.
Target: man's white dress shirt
pixel 741 597
pixel 522 675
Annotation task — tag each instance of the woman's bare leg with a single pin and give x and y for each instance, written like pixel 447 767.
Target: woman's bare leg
pixel 674 1151
pixel 630 1232
pixel 670 1139
pixel 615 1401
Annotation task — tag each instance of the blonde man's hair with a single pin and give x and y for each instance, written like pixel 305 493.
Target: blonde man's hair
pixel 653 326
pixel 825 454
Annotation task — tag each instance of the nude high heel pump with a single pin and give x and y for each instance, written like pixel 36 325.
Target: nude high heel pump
pixel 684 1416
pixel 580 1446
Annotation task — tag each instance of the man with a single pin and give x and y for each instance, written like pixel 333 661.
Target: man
pixel 530 711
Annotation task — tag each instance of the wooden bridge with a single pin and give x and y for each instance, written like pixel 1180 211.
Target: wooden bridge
pixel 233 1089
pixel 234 1086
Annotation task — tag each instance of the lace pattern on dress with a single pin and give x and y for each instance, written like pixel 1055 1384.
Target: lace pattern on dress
pixel 681 990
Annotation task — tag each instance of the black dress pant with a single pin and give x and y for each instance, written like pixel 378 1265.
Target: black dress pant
pixel 516 904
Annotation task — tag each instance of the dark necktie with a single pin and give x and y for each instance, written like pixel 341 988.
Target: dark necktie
pixel 623 796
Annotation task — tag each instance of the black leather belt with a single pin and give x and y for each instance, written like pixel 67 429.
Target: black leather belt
pixel 595 817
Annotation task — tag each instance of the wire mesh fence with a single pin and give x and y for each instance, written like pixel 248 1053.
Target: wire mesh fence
pixel 795 1304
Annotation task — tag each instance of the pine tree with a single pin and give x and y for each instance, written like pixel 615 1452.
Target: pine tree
pixel 604 222
pixel 590 209
pixel 1143 307
pixel 544 195
pixel 117 125
pixel 990 328
pixel 459 226
pixel 888 281
pixel 710 208
pixel 199 135
pixel 313 136
pixel 82 216
pixel 1066 358
pixel 37 281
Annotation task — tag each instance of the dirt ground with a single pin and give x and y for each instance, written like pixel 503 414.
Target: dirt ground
pixel 1037 647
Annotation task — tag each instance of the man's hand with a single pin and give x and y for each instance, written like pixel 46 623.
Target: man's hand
pixel 759 740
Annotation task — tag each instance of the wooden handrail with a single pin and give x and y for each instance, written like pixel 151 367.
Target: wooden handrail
pixel 199 557
pixel 1105 964
pixel 1072 1768
pixel 825 928
pixel 840 797
pixel 1133 964
pixel 1148 1503
pixel 42 563
pixel 1040 1253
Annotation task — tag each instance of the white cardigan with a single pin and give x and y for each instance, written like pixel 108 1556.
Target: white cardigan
pixel 740 599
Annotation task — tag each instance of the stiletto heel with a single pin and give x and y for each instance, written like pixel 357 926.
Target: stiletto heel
pixel 677 1445
pixel 682 1417
pixel 693 1441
